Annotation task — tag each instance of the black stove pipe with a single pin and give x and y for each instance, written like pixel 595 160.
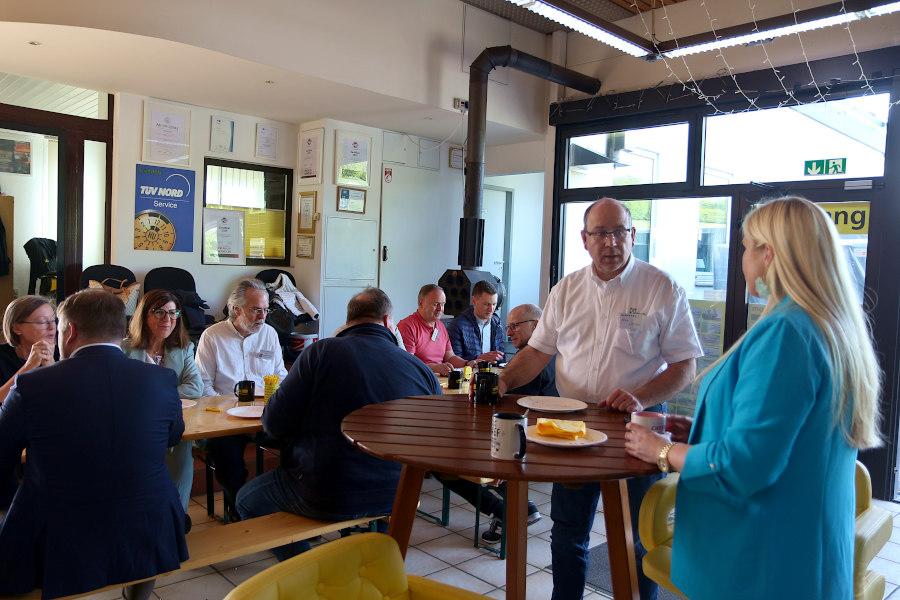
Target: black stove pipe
pixel 471 225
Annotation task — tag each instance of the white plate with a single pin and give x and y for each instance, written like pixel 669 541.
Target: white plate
pixel 185 403
pixel 592 438
pixel 551 404
pixel 253 411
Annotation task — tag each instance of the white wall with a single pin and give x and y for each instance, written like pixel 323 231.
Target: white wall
pixel 35 202
pixel 214 282
pixel 619 72
pixel 328 293
pixel 510 159
pixel 527 224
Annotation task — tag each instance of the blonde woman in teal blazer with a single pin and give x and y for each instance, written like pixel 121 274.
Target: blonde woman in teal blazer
pixel 157 335
pixel 765 501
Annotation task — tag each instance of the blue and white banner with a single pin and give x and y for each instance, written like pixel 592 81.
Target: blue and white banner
pixel 163 209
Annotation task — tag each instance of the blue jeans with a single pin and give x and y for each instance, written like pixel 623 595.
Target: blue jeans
pixel 180 463
pixel 273 491
pixel 572 511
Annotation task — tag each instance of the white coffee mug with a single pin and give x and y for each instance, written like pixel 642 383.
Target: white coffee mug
pixel 654 421
pixel 508 436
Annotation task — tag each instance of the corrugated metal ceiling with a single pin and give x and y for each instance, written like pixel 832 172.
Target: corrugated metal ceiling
pixel 46 95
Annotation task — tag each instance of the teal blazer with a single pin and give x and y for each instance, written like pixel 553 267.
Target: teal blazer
pixel 765 502
pixel 180 360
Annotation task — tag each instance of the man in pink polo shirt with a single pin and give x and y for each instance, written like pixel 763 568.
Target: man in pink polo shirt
pixel 426 337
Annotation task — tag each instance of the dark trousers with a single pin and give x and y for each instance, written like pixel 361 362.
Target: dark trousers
pixel 227 454
pixel 491 503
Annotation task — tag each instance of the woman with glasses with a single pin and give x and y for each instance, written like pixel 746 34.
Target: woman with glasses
pixel 29 326
pixel 157 335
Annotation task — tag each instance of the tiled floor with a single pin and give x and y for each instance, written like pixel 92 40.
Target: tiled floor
pixel 446 554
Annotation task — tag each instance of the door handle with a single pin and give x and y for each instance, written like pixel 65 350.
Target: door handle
pixel 384 254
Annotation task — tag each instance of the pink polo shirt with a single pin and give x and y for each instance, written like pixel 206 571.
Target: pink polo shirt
pixel 417 339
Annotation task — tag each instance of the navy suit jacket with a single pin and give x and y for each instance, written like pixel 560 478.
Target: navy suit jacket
pixel 96 506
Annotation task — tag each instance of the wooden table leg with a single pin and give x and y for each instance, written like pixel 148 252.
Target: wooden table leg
pixel 617 515
pixel 516 538
pixel 405 502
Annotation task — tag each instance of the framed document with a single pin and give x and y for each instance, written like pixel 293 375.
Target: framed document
pixel 221 134
pixel 350 200
pixel 266 141
pixel 306 246
pixel 311 156
pixel 351 159
pixel 306 207
pixel 223 237
pixel 167 134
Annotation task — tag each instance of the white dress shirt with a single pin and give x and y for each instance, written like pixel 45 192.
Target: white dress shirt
pixel 613 334
pixel 225 357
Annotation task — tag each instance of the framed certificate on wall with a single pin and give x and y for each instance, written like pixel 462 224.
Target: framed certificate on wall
pixel 350 200
pixel 351 159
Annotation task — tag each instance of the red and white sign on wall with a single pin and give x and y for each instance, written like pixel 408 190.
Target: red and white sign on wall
pixel 388 174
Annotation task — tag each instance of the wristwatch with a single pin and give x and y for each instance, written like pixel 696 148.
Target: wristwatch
pixel 662 461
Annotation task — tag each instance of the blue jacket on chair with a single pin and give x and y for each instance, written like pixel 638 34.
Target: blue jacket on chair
pixel 465 334
pixel 96 506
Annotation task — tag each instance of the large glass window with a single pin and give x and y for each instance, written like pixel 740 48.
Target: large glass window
pixel 635 156
pixel 688 238
pixel 829 140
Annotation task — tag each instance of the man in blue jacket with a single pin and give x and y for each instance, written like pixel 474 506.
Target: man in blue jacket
pixel 96 506
pixel 322 476
pixel 477 333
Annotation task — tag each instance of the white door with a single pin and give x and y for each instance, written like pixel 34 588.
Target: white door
pixel 420 211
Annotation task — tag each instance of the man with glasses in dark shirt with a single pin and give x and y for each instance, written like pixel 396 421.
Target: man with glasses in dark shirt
pixel 520 324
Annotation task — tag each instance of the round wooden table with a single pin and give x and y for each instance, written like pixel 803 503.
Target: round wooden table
pixel 449 435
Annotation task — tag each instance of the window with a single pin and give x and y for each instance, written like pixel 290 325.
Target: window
pixel 259 199
pixel 832 140
pixel 635 156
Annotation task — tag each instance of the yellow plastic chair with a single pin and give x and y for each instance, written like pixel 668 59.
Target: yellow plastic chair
pixel 367 566
pixel 656 526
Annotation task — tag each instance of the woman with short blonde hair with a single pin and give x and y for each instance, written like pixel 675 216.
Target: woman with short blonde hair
pixel 778 422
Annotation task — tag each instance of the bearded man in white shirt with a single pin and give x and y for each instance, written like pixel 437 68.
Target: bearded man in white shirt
pixel 623 337
pixel 242 347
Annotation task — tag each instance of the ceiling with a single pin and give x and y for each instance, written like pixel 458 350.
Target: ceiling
pixel 193 75
pixel 608 10
pixel 54 97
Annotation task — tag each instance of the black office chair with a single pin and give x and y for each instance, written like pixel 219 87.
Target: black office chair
pixel 103 272
pixel 169 278
pixel 42 255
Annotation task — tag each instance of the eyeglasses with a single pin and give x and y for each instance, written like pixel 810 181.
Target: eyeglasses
pixel 617 234
pixel 162 314
pixel 259 312
pixel 44 324
pixel 515 326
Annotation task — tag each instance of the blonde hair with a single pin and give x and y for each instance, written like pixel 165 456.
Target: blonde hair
pixel 809 267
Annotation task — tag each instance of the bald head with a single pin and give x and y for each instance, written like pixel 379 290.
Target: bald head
pixel 520 324
pixel 608 236
pixel 608 204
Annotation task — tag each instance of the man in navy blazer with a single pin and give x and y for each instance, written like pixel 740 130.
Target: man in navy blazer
pixel 477 333
pixel 96 505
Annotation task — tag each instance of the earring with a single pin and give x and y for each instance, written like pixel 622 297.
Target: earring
pixel 762 290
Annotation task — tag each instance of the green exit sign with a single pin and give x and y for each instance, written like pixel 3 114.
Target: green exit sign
pixel 825 166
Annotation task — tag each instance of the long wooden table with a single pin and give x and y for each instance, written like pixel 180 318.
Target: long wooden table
pixel 449 435
pixel 201 423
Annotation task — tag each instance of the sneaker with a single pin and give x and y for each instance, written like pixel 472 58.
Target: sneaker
pixel 494 531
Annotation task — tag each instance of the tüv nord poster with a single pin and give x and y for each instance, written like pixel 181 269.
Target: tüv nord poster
pixel 163 209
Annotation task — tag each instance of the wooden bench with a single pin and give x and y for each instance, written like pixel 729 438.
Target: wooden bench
pixel 216 544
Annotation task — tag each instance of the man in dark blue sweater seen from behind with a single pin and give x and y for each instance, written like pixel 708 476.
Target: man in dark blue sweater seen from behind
pixel 322 476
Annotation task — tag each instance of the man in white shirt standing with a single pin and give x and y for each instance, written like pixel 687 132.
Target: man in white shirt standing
pixel 242 347
pixel 623 337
